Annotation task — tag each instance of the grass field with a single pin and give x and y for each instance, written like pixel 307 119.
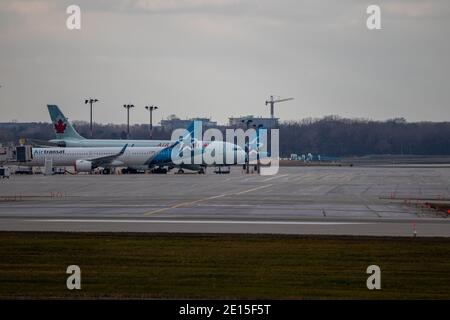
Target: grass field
pixel 221 266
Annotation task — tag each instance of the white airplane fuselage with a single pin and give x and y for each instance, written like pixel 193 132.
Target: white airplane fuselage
pixel 133 156
pixel 142 157
pixel 109 143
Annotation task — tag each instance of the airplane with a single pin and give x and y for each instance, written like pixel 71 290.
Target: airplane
pixel 89 158
pixel 67 136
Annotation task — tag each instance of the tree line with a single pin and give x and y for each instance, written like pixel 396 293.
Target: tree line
pixel 328 136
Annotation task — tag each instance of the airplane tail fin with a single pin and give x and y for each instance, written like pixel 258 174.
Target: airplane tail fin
pixel 185 141
pixel 191 129
pixel 61 125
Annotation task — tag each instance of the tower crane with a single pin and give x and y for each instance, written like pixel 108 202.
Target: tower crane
pixel 272 100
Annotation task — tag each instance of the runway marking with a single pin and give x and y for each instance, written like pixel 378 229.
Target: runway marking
pixel 199 221
pixel 83 206
pixel 189 203
pixel 276 177
pixel 183 204
pixel 254 189
pixel 374 211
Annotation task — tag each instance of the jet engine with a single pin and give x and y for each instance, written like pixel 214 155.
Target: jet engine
pixel 83 166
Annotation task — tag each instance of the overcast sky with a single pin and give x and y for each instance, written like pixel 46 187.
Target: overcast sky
pixel 221 58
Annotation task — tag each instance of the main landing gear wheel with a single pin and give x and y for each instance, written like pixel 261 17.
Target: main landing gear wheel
pixel 159 170
pixel 201 171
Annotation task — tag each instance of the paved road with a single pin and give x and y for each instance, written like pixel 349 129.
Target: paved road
pixel 306 200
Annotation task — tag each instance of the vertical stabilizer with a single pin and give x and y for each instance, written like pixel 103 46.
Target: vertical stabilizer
pixel 61 125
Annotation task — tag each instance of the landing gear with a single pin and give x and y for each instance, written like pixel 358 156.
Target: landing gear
pixel 159 170
pixel 128 171
pixel 106 171
pixel 201 171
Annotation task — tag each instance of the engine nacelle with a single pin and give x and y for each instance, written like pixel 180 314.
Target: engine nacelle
pixel 83 166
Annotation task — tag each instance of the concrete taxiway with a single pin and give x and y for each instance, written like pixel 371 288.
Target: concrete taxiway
pixel 298 200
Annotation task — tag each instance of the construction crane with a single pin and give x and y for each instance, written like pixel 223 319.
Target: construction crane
pixel 272 100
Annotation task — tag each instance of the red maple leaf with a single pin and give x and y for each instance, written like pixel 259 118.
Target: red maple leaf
pixel 60 126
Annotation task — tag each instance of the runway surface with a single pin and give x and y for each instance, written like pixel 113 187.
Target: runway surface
pixel 299 200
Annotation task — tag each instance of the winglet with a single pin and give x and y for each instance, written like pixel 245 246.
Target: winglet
pixel 123 150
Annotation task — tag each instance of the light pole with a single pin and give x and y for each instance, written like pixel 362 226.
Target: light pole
pixel 150 124
pixel 128 107
pixel 247 151
pixel 91 101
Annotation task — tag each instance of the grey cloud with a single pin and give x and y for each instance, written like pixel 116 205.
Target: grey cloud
pixel 223 58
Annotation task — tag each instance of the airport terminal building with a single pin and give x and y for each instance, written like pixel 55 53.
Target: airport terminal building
pixel 268 123
pixel 173 122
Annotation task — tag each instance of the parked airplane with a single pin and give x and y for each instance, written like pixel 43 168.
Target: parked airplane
pixel 88 159
pixel 67 136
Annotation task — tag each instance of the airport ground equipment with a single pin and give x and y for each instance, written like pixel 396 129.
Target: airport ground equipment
pixel 24 170
pixel 48 167
pixel 222 170
pixel 5 172
pixel 59 170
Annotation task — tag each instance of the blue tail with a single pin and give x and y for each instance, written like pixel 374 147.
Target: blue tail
pixel 165 155
pixel 61 125
pixel 194 131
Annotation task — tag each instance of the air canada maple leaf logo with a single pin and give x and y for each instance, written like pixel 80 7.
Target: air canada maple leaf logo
pixel 60 126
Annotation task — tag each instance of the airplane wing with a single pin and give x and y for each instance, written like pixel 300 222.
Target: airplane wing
pixel 105 161
pixel 44 143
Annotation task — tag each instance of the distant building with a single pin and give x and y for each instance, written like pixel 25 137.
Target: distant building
pixel 173 122
pixel 268 123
